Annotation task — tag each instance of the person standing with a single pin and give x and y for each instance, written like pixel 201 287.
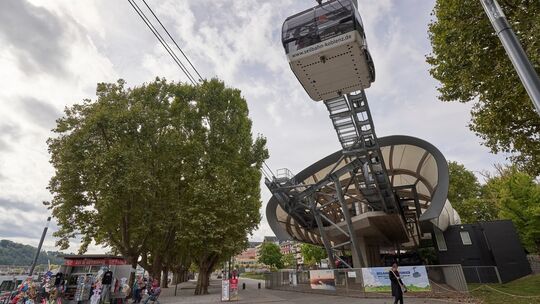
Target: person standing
pixel 397 285
pixel 137 290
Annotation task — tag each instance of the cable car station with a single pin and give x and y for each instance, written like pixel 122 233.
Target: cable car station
pixel 375 195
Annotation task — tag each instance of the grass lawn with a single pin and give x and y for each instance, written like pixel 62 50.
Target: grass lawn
pixel 251 275
pixel 528 286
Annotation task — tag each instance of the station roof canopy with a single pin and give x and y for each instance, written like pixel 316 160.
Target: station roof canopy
pixel 409 162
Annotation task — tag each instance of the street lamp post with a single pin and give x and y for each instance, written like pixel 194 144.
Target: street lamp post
pixel 515 51
pixel 31 272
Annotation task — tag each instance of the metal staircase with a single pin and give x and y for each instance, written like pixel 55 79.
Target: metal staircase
pixel 410 211
pixel 364 165
pixel 352 120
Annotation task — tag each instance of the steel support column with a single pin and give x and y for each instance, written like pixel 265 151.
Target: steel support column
pixel 348 221
pixel 326 242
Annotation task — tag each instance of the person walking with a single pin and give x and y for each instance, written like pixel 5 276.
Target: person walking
pixel 398 288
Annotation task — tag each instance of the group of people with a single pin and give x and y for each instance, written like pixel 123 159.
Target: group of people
pixel 150 286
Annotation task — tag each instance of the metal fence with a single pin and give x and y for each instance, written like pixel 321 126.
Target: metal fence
pixel 482 274
pixel 534 261
pixel 445 280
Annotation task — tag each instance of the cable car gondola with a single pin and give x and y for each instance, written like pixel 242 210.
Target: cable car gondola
pixel 327 50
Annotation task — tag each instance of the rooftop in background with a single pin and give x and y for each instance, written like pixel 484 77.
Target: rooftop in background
pixel 93 259
pixel 272 239
pixel 254 244
pixel 89 256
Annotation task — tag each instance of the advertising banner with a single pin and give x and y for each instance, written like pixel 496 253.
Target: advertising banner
pixel 322 279
pixel 95 262
pixel 233 294
pixel 225 290
pixel 376 279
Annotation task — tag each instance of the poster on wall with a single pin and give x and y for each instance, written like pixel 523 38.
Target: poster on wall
pixel 414 277
pixel 322 279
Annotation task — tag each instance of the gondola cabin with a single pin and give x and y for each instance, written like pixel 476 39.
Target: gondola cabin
pixel 327 50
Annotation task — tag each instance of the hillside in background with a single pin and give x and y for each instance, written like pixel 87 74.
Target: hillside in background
pixel 12 253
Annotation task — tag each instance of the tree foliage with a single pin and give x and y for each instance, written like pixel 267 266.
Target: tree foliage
pixel 471 64
pixel 12 253
pixel 463 184
pixel 288 261
pixel 270 254
pixel 312 254
pixel 518 198
pixel 465 195
pixel 166 171
pixel 224 199
pixel 108 159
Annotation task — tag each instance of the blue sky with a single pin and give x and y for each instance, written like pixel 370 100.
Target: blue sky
pixel 53 53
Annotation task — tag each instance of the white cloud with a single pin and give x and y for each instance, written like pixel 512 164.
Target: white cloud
pixel 239 42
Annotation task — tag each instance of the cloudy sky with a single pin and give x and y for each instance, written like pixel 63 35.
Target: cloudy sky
pixel 52 54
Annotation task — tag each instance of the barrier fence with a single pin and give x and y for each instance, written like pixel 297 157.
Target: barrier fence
pixel 534 261
pixel 444 281
pixel 481 274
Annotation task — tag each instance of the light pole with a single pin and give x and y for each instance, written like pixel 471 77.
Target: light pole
pixel 515 52
pixel 31 272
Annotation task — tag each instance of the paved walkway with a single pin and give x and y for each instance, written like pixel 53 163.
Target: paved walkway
pixel 253 295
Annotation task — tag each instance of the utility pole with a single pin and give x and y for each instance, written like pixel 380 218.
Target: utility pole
pixel 31 272
pixel 515 51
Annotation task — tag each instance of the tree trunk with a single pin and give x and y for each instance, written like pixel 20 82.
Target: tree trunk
pixel 202 281
pixel 165 278
pixel 184 275
pixel 180 274
pixel 157 266
pixel 175 278
pixel 206 266
pixel 133 262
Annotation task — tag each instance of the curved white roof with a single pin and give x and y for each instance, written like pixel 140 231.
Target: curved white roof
pixel 411 163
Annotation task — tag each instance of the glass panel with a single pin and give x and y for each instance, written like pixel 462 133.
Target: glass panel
pixel 6 286
pixel 297 29
pixel 317 24
pixel 465 238
pixel 439 237
pixel 334 19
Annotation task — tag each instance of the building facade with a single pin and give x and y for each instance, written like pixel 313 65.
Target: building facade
pixel 487 251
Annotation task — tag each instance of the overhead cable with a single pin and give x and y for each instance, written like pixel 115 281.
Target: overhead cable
pixel 174 41
pixel 162 41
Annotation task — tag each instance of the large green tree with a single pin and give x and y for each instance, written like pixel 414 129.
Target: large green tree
pixel 472 66
pixel 518 198
pixel 463 184
pixel 312 254
pixel 465 195
pixel 288 260
pixel 270 254
pixel 224 197
pixel 120 166
pixel 165 170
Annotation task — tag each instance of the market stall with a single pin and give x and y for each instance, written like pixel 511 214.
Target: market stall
pixel 94 279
